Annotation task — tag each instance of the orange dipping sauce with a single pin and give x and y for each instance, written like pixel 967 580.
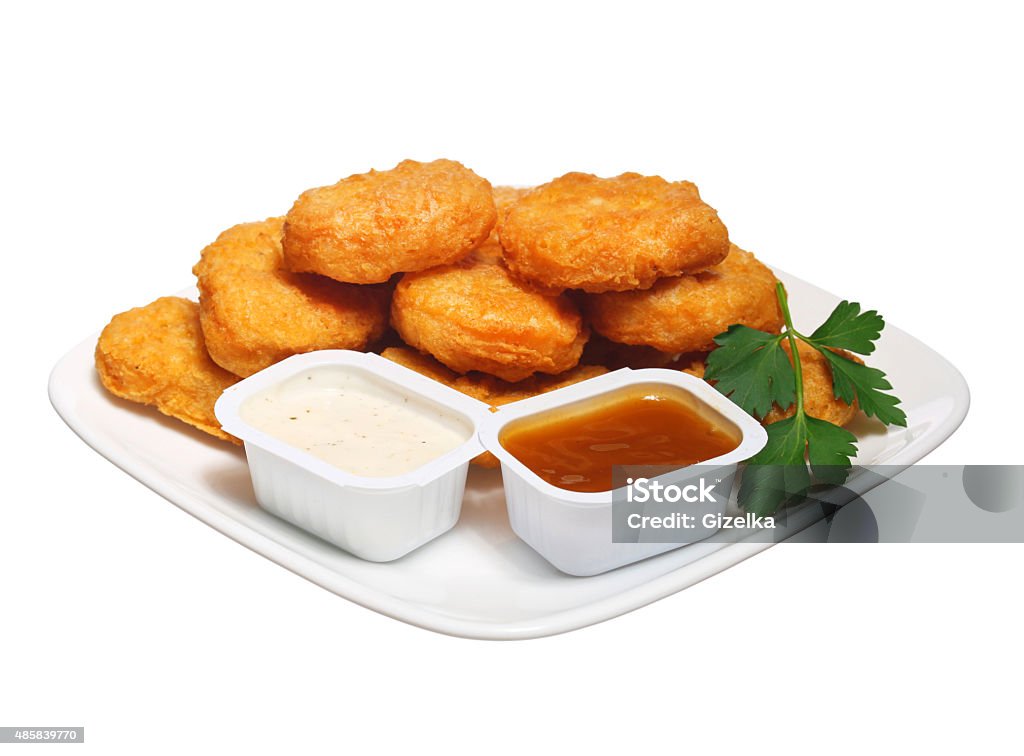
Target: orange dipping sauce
pixel 575 447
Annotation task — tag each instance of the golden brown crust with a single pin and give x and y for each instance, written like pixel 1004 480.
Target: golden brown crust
pixel 155 355
pixel 486 388
pixel 474 315
pixel 819 396
pixel 254 313
pixel 369 226
pixel 684 314
pixel 617 234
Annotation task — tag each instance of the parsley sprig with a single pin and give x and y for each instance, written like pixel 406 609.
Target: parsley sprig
pixel 752 368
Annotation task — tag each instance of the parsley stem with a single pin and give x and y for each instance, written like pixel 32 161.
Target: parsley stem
pixel 780 292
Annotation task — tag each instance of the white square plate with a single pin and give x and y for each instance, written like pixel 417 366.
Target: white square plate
pixel 478 580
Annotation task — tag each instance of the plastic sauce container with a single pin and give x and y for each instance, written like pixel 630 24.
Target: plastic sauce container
pixel 572 529
pixel 369 513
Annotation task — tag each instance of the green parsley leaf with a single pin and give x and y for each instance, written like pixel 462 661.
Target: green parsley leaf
pixel 751 368
pixel 787 443
pixel 765 488
pixel 778 473
pixel 829 450
pixel 851 380
pixel 754 371
pixel 849 328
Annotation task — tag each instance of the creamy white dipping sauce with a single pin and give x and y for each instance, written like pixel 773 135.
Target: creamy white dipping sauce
pixel 355 421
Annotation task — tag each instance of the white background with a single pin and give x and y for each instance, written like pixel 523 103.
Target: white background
pixel 875 151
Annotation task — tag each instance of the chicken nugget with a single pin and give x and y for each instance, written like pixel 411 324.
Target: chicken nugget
pixel 155 355
pixel 685 313
pixel 369 226
pixel 474 315
pixel 819 395
pixel 254 313
pixel 617 234
pixel 486 388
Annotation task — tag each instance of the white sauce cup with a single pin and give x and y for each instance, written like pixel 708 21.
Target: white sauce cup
pixel 375 518
pixel 573 530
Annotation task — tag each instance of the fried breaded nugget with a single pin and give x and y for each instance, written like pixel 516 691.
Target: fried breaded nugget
pixel 617 234
pixel 254 313
pixel 474 315
pixel 486 388
pixel 155 355
pixel 819 396
pixel 684 314
pixel 369 226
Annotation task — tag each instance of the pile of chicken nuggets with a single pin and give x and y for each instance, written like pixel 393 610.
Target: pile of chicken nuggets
pixel 501 293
